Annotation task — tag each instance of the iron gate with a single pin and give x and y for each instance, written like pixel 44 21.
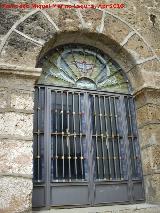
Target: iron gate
pixel 86 149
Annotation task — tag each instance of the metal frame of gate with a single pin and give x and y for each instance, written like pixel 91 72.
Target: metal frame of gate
pixel 95 191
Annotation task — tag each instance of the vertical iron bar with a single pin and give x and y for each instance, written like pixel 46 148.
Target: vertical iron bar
pixel 95 124
pixel 74 133
pixel 56 134
pixel 80 132
pixel 107 134
pixel 38 144
pixel 62 132
pixel 113 148
pixel 101 131
pixel 68 138
pixel 117 132
pixel 47 147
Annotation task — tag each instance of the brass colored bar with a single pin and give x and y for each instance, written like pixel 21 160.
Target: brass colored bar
pixel 67 134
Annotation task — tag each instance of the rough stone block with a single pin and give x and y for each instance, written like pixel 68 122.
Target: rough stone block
pixel 16 124
pixel 16 157
pixel 151 159
pixel 15 194
pixel 149 135
pixel 150 66
pixel 68 20
pixel 12 17
pixel 115 28
pixel 92 19
pixel 147 96
pixel 16 82
pixel 20 51
pixel 135 77
pixel 37 27
pixel 148 113
pixel 138 48
pixel 22 100
pixel 152 188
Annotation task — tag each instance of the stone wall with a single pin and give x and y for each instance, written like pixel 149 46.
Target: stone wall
pixel 148 116
pixel 129 36
pixel 16 139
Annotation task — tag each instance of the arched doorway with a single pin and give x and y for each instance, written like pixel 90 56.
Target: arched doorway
pixel 86 149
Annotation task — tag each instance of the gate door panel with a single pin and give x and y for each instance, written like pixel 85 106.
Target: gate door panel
pixel 86 148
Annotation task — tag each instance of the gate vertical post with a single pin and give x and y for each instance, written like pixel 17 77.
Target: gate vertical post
pixel 124 128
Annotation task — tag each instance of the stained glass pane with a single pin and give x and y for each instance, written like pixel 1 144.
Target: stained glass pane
pixel 81 66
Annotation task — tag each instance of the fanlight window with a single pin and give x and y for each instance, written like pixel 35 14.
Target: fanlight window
pixel 83 67
pixel 86 149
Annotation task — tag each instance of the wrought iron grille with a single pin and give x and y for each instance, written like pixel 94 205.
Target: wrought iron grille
pixel 86 148
pixel 75 116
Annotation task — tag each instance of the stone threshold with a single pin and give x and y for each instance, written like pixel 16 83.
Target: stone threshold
pixel 135 208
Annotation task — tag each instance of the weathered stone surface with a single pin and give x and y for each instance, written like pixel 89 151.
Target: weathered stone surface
pixel 16 124
pixel 22 100
pixel 19 50
pixel 38 27
pixel 15 194
pixel 12 17
pixel 115 28
pixel 16 82
pixel 3 97
pixel 16 157
pixel 135 77
pixel 150 66
pixel 149 135
pixel 147 96
pixel 92 19
pixel 148 113
pixel 152 187
pixel 151 159
pixel 138 48
pixel 68 20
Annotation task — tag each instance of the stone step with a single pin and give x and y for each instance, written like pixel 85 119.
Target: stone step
pixel 135 208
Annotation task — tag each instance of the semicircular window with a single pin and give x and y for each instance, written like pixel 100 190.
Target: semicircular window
pixel 82 66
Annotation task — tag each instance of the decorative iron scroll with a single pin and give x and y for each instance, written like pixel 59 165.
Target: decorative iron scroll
pixel 81 66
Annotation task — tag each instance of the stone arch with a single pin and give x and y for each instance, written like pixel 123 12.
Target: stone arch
pixel 28 35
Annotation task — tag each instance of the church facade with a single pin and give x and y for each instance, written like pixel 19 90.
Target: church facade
pixel 80 106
